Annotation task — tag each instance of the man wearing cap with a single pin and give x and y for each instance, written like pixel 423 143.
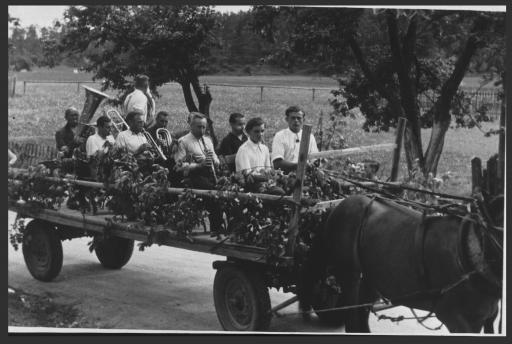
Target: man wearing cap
pixel 100 142
pixel 286 143
pixel 67 138
pixel 141 99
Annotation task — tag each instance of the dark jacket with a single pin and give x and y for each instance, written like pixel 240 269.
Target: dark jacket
pixel 66 137
pixel 230 144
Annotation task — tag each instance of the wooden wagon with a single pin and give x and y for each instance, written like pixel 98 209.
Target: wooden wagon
pixel 242 280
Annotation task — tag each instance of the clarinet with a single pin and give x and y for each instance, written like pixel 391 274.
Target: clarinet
pixel 213 164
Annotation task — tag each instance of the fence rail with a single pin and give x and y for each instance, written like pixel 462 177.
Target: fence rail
pixel 479 97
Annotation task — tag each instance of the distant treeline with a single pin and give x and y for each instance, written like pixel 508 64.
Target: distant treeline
pixel 240 50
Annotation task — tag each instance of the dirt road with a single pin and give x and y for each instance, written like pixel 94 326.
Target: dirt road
pixel 161 288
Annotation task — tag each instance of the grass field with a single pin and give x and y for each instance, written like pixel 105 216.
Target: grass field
pixel 36 116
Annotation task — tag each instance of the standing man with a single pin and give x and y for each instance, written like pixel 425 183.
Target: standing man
pixel 100 142
pixel 231 143
pixel 197 160
pixel 286 143
pixel 141 99
pixel 67 138
pixel 133 139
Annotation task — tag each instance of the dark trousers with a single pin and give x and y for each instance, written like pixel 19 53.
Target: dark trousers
pixel 204 180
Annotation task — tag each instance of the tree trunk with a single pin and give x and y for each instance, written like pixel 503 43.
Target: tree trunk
pixel 204 98
pixel 189 99
pixel 403 55
pixel 442 117
pixel 435 146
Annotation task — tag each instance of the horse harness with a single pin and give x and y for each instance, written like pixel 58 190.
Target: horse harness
pixel 419 243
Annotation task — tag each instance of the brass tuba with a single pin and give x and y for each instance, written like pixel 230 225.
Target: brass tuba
pixel 93 99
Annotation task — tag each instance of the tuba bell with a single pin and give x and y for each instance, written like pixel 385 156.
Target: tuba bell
pixel 93 99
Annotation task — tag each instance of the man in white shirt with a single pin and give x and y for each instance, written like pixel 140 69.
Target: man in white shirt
pixel 286 143
pixel 253 159
pixel 253 156
pixel 141 100
pixel 133 139
pixel 196 155
pixel 197 160
pixel 99 143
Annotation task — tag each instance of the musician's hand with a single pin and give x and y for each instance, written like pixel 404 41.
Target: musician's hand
pixel 64 149
pixel 79 139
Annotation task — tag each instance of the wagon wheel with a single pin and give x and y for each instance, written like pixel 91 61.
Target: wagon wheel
pixel 326 298
pixel 241 300
pixel 42 251
pixel 113 252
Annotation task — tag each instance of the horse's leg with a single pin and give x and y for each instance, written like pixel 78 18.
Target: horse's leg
pixel 489 323
pixel 355 321
pixel 365 296
pixel 458 323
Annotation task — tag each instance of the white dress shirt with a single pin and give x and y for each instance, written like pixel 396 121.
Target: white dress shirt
pixel 252 157
pixel 137 101
pixel 128 139
pixel 192 151
pixel 286 145
pixel 95 142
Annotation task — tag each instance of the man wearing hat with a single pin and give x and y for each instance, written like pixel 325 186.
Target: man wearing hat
pixel 67 138
pixel 141 99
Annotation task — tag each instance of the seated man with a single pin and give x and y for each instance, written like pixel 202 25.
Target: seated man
pixel 196 159
pixel 67 138
pixel 99 143
pixel 253 158
pixel 286 143
pixel 133 139
pixel 161 121
pixel 232 142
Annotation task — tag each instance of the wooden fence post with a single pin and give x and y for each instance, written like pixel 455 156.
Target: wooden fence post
pixel 261 93
pixel 492 175
pixel 476 174
pixel 501 144
pixel 13 87
pixel 78 87
pixel 313 94
pixel 398 148
pixel 24 87
pixel 297 192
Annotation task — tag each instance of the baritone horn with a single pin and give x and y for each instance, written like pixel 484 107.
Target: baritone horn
pixel 165 139
pixel 152 142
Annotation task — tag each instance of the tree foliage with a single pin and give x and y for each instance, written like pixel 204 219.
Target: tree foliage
pixel 167 43
pixel 390 58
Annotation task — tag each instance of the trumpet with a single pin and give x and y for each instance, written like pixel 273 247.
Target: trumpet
pixel 165 138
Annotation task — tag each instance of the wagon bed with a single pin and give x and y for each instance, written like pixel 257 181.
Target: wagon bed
pixel 199 240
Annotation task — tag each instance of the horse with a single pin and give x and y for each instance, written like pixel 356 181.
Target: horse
pixel 374 248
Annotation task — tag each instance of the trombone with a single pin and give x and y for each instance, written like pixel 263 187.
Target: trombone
pixel 119 121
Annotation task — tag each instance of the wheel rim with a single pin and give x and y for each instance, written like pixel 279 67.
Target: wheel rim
pixel 39 252
pixel 238 304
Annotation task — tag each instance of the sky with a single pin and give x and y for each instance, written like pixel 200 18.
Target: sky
pixel 45 15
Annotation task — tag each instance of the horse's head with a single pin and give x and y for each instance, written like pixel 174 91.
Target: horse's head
pixel 484 251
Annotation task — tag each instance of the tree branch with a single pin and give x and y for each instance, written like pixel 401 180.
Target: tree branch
pixel 371 76
pixel 451 85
